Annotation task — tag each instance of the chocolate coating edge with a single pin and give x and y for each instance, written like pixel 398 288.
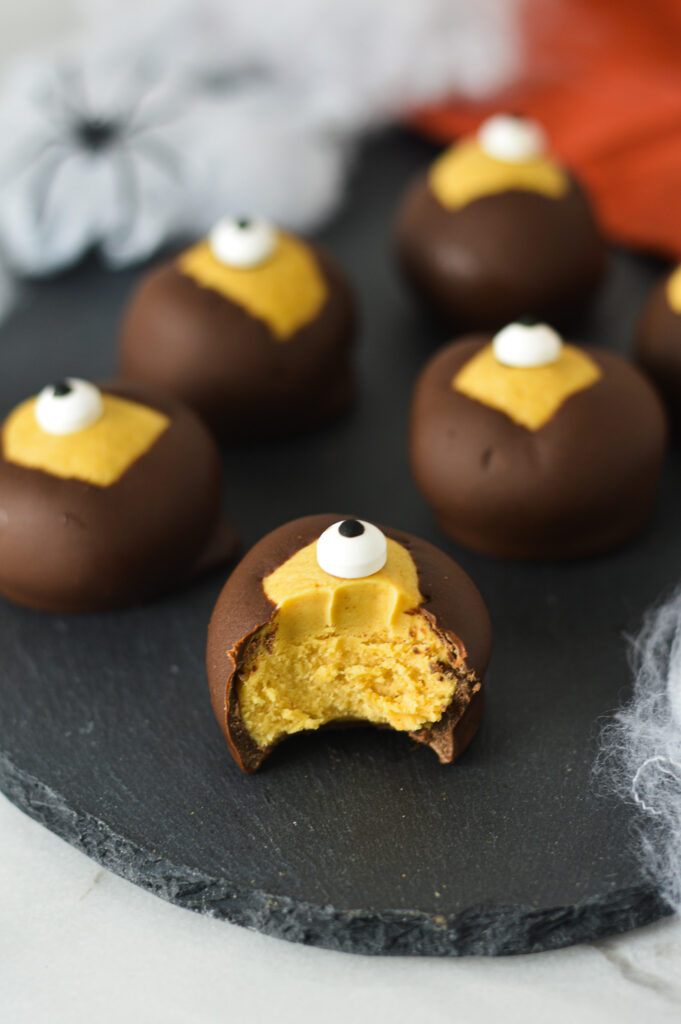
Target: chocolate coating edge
pixel 581 484
pixel 70 546
pixel 657 350
pixel 199 345
pixel 500 256
pixel 452 601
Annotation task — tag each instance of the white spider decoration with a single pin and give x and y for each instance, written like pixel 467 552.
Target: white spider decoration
pixel 95 165
pixel 162 117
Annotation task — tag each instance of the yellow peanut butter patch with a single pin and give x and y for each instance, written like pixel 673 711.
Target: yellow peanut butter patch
pixel 307 597
pixel 464 172
pixel 529 395
pixel 98 454
pixel 345 650
pixel 674 290
pixel 287 291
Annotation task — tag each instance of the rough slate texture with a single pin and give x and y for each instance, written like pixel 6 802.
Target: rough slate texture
pixel 351 840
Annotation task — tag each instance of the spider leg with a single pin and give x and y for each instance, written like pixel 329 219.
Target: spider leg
pixel 73 93
pixel 159 115
pixel 129 193
pixel 52 107
pixel 161 155
pixel 43 185
pixel 25 161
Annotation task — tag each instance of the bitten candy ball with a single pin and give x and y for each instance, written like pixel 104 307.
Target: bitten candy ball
pixel 252 327
pixel 528 447
pixel 331 620
pixel 497 229
pixel 109 495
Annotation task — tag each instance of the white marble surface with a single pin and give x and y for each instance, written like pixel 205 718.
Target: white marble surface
pixel 78 944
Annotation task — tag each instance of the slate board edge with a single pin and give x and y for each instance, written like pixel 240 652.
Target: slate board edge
pixel 478 931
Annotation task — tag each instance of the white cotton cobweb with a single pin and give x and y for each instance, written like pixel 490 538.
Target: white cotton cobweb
pixel 641 748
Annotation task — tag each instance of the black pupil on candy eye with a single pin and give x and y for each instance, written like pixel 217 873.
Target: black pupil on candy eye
pixel 351 528
pixel 61 388
pixel 527 321
pixel 243 223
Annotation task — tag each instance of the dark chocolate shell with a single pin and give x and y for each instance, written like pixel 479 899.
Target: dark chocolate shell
pixel 225 364
pixel 68 545
pixel 501 256
pixel 582 483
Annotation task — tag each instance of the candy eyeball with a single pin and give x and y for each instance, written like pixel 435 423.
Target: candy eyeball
pixel 243 242
pixel 67 406
pixel 351 549
pixel 527 343
pixel 512 139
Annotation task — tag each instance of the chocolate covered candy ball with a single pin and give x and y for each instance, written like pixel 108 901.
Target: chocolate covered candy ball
pixel 252 327
pixel 497 229
pixel 528 447
pixel 109 496
pixel 331 620
pixel 658 343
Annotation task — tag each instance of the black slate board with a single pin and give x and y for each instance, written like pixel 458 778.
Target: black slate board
pixel 352 840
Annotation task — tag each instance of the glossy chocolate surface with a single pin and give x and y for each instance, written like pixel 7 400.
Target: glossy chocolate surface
pixel 582 483
pixel 67 545
pixel 225 364
pixel 657 350
pixel 501 256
